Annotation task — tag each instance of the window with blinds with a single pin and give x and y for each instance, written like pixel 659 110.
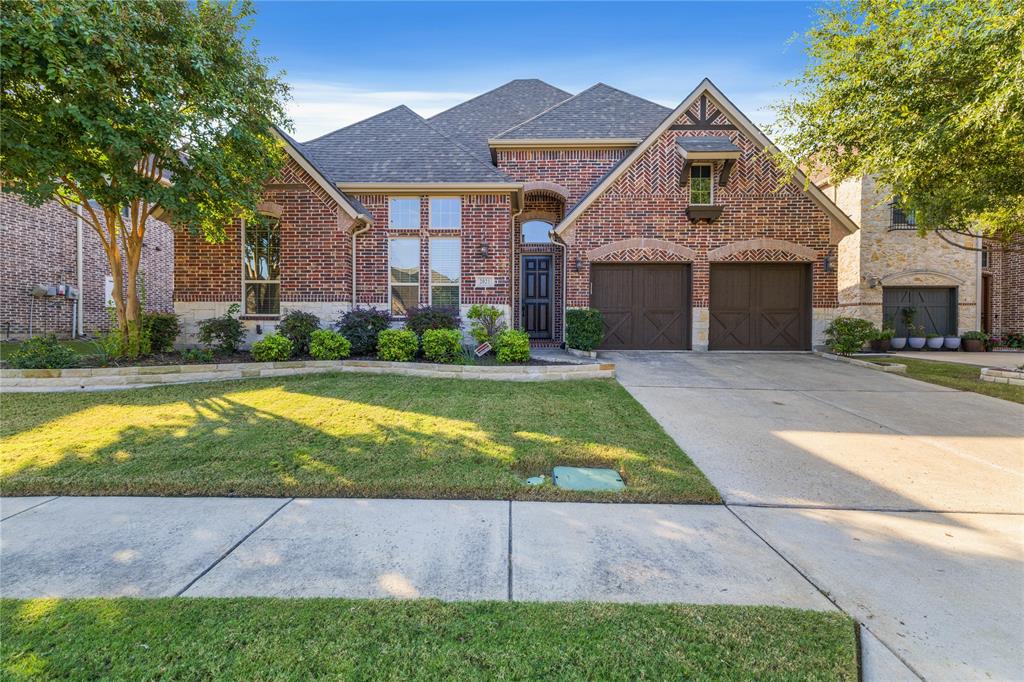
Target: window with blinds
pixel 445 272
pixel 404 268
pixel 261 266
pixel 404 213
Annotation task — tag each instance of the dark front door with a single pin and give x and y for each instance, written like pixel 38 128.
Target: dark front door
pixel 537 296
pixel 646 306
pixel 986 304
pixel 934 308
pixel 760 306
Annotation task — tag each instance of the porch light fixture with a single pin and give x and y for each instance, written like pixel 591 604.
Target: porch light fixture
pixel 826 263
pixel 577 264
pixel 485 250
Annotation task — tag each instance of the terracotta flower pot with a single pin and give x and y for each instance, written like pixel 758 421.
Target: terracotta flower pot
pixel 880 345
pixel 974 345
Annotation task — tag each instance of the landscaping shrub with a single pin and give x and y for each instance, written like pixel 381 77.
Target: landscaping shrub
pixel 397 344
pixel 297 326
pixel 584 328
pixel 327 345
pixel 847 335
pixel 423 318
pixel 273 347
pixel 161 331
pixel 486 323
pixel 42 352
pixel 443 345
pixel 197 356
pixel 512 346
pixel 225 333
pixel 361 327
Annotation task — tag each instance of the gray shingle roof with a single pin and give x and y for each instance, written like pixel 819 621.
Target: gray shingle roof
pixel 707 143
pixel 397 145
pixel 477 120
pixel 600 111
pixel 355 203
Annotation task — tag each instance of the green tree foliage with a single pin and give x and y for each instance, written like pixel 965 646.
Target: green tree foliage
pixel 928 96
pixel 126 111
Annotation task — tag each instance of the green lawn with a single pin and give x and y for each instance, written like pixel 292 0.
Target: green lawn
pixel 959 376
pixel 262 639
pixel 345 435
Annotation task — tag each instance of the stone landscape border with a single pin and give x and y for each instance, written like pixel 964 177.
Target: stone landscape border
pixel 1003 376
pixel 892 368
pixel 108 378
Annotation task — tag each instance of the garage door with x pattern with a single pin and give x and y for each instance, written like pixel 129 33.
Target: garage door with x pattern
pixel 760 306
pixel 646 306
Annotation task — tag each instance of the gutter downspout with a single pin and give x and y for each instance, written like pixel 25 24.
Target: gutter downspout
pixel 80 302
pixel 364 228
pixel 565 286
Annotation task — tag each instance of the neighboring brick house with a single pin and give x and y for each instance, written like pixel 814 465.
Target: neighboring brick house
pixel 951 282
pixel 41 247
pixel 673 222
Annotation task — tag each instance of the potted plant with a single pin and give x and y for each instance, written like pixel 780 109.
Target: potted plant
pixel 917 339
pixel 882 339
pixel 934 341
pixel 951 342
pixel 974 341
pixel 907 315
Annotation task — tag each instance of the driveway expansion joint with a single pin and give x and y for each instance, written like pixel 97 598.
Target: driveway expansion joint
pixel 55 497
pixel 233 548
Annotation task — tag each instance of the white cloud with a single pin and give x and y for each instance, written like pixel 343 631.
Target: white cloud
pixel 317 107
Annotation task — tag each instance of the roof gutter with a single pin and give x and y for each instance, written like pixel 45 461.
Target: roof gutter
pixel 412 187
pixel 563 142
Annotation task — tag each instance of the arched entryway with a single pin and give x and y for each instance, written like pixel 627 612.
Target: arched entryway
pixel 539 266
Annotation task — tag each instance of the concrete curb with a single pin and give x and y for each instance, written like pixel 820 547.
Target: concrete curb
pixel 1003 376
pixel 109 378
pixel 894 368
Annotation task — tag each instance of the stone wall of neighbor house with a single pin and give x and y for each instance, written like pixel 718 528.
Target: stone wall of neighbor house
pixel 1006 268
pixel 876 257
pixel 40 246
pixel 316 262
pixel 647 202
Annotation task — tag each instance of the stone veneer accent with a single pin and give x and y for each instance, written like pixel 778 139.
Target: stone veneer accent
pixel 1003 376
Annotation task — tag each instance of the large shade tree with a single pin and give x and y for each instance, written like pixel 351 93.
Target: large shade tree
pixel 126 111
pixel 928 96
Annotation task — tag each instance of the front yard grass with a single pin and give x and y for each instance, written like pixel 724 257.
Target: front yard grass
pixel 341 435
pixel 260 639
pixel 959 376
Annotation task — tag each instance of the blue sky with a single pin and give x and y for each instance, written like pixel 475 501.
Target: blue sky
pixel 346 61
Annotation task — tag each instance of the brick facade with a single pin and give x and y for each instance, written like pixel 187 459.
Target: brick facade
pixel 40 246
pixel 1005 271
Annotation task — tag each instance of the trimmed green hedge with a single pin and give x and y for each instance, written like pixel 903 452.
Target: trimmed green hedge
pixel 442 345
pixel 325 344
pixel 398 345
pixel 273 347
pixel 512 346
pixel 584 328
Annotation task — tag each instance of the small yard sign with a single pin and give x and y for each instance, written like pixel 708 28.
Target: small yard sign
pixel 483 349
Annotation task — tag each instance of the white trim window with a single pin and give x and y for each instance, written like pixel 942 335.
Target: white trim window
pixel 261 266
pixel 403 275
pixel 536 232
pixel 404 213
pixel 445 272
pixel 702 190
pixel 445 213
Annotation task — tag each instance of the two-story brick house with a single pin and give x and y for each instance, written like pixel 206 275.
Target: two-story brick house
pixel 673 222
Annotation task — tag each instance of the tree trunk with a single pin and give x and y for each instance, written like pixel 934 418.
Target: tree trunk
pixel 133 306
pixel 117 275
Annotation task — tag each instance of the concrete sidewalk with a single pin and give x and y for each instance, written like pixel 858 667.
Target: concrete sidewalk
pixel 456 550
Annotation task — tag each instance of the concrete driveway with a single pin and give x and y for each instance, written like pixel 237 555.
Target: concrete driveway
pixel 899 500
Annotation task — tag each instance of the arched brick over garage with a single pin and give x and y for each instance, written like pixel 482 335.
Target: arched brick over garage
pixel 642 250
pixel 771 250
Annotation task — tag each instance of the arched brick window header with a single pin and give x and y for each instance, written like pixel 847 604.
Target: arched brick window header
pixel 762 250
pixel 548 188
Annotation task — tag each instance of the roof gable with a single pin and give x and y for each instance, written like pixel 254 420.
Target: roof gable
pixel 598 112
pixel 398 146
pixel 704 109
pixel 474 121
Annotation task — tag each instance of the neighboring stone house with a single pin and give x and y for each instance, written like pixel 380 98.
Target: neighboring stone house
pixel 41 248
pixel 670 221
pixel 952 284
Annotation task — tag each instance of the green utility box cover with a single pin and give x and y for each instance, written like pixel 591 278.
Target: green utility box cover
pixel 581 478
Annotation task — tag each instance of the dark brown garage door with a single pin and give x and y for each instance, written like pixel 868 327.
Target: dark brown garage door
pixel 758 306
pixel 645 306
pixel 934 308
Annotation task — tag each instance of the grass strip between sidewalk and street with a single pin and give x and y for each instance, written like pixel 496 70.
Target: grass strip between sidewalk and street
pixel 283 639
pixel 341 435
pixel 959 376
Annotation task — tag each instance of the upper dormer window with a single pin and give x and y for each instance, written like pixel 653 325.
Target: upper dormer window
pixel 701 189
pixel 404 213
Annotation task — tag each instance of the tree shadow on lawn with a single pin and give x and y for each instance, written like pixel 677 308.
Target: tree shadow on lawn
pixel 342 435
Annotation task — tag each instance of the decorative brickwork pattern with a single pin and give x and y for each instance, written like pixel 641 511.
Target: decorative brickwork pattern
pixel 639 250
pixel 577 170
pixel 40 246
